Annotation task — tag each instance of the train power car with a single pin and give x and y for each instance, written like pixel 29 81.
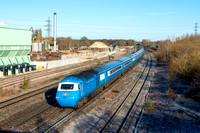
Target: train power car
pixel 75 87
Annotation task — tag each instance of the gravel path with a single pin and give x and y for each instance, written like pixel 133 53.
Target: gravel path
pixel 166 111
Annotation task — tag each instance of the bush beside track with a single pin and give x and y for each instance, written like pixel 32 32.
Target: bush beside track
pixel 183 60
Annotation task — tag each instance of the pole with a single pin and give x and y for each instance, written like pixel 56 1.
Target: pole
pixel 55 26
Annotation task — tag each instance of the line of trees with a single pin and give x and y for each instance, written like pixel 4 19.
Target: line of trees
pixel 67 43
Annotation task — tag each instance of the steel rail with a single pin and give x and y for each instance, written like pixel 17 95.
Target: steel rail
pixel 48 119
pixel 119 107
pixel 133 104
pixel 26 95
pixel 24 113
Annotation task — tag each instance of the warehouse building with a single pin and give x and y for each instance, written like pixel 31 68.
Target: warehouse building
pixel 15 44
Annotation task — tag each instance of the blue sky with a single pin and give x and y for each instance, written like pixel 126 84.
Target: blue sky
pixel 106 19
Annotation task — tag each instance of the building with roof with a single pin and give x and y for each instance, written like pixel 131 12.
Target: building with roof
pixel 15 44
pixel 99 46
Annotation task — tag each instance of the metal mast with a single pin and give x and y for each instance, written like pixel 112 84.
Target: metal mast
pixel 55 26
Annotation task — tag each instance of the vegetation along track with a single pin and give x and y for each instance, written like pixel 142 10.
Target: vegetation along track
pixel 117 121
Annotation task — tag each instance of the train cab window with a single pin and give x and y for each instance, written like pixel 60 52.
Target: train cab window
pixel 67 86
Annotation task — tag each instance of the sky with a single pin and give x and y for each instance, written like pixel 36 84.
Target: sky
pixel 105 19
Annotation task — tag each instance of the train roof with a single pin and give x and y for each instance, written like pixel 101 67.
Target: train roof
pixel 70 79
pixel 98 69
pixel 85 75
pixel 124 59
pixel 110 64
pixel 132 55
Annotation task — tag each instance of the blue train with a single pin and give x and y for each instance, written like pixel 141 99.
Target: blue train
pixel 75 87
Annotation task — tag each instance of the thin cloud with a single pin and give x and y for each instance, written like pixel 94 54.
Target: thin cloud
pixel 160 13
pixel 125 17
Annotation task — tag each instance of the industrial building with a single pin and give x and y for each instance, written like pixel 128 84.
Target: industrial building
pixel 24 50
pixel 15 44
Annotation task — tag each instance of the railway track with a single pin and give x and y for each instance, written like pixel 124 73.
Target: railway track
pixel 38 75
pixel 18 79
pixel 56 120
pixel 59 124
pixel 43 118
pixel 116 123
pixel 25 96
pixel 61 71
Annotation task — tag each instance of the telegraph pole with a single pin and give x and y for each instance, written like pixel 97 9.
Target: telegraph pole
pixel 54 30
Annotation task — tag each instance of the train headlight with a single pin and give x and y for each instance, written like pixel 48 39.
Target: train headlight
pixel 57 97
pixel 71 97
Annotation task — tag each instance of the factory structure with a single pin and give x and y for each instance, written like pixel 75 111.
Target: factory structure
pixel 23 50
pixel 15 44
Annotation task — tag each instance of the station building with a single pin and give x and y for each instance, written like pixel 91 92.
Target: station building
pixel 15 44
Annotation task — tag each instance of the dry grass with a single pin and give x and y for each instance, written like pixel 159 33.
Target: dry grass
pixel 183 57
pixel 9 91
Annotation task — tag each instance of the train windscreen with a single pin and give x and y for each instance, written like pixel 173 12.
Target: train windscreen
pixel 67 86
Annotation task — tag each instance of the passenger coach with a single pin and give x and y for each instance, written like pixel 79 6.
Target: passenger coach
pixel 73 88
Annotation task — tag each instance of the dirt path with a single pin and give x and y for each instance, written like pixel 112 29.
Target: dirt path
pixel 166 111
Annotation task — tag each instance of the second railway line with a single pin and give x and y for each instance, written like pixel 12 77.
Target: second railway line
pixel 43 122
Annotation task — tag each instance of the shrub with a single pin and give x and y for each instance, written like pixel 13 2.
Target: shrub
pixel 26 83
pixel 149 105
pixel 183 58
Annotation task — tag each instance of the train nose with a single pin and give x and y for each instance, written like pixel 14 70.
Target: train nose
pixel 67 99
pixel 64 103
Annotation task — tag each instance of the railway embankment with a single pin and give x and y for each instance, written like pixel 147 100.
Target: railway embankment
pixel 167 109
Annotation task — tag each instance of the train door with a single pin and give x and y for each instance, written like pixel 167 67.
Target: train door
pixel 97 81
pixel 81 88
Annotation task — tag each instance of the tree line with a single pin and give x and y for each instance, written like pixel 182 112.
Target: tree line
pixel 68 43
